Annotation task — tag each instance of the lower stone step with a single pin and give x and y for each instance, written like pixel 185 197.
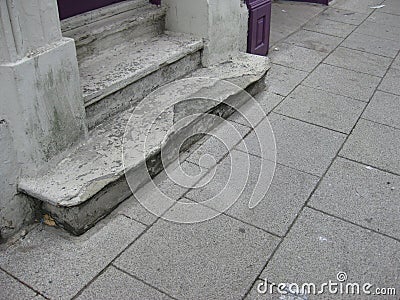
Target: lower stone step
pixel 116 79
pixel 90 181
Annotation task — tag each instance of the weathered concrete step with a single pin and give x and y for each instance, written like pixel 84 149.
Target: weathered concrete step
pixel 116 79
pixel 90 181
pixel 120 23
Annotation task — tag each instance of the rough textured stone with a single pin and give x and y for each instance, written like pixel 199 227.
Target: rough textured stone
pixel 372 44
pixel 12 289
pixel 282 80
pixel 396 63
pixel 384 18
pixel 362 195
pixel 304 146
pixel 93 173
pixel 386 31
pixel 261 141
pixel 374 144
pixel 267 101
pixel 116 284
pixel 288 17
pixel 325 26
pixel 288 192
pixel 292 56
pixel 322 108
pixel 345 16
pixel 343 82
pixel 390 82
pixel 391 7
pixel 102 30
pixel 384 108
pixel 165 183
pixel 361 6
pixel 211 259
pixel 216 147
pixel 314 40
pixel 60 265
pixel 100 79
pixel 365 257
pixel 359 61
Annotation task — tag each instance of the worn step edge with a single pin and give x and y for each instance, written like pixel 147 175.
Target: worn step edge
pixel 101 195
pixel 147 65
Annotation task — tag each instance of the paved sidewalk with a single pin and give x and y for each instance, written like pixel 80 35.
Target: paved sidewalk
pixel 333 99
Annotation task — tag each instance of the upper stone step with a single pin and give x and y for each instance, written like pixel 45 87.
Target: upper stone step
pixel 133 66
pixel 104 28
pixel 90 180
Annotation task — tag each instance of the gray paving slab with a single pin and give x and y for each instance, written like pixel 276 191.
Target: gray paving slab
pixel 266 100
pixel 260 142
pixel 345 16
pixel 303 146
pixel 361 6
pixel 314 40
pixel 170 184
pixel 344 82
pixel 375 145
pixel 365 196
pixel 282 80
pixel 359 61
pixel 396 63
pixel 391 7
pixel 318 247
pixel 384 18
pixel 219 258
pixel 287 194
pixel 114 284
pixel 11 288
pixel 372 44
pixel 386 31
pixel 288 17
pixel 326 26
pixel 58 265
pixel 216 147
pixel 296 57
pixel 322 108
pixel 384 108
pixel 209 154
pixel 391 82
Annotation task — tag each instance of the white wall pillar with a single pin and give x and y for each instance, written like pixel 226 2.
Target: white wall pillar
pixel 41 106
pixel 221 23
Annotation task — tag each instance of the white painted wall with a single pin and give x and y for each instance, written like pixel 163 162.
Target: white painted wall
pixel 41 103
pixel 221 23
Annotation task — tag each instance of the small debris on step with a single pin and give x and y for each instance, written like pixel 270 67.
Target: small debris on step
pixel 49 221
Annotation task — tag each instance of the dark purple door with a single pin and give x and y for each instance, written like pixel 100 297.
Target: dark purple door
pixel 259 26
pixel 69 8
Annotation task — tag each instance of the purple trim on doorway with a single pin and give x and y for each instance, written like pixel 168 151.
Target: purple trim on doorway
pixel 259 26
pixel 155 2
pixel 69 8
